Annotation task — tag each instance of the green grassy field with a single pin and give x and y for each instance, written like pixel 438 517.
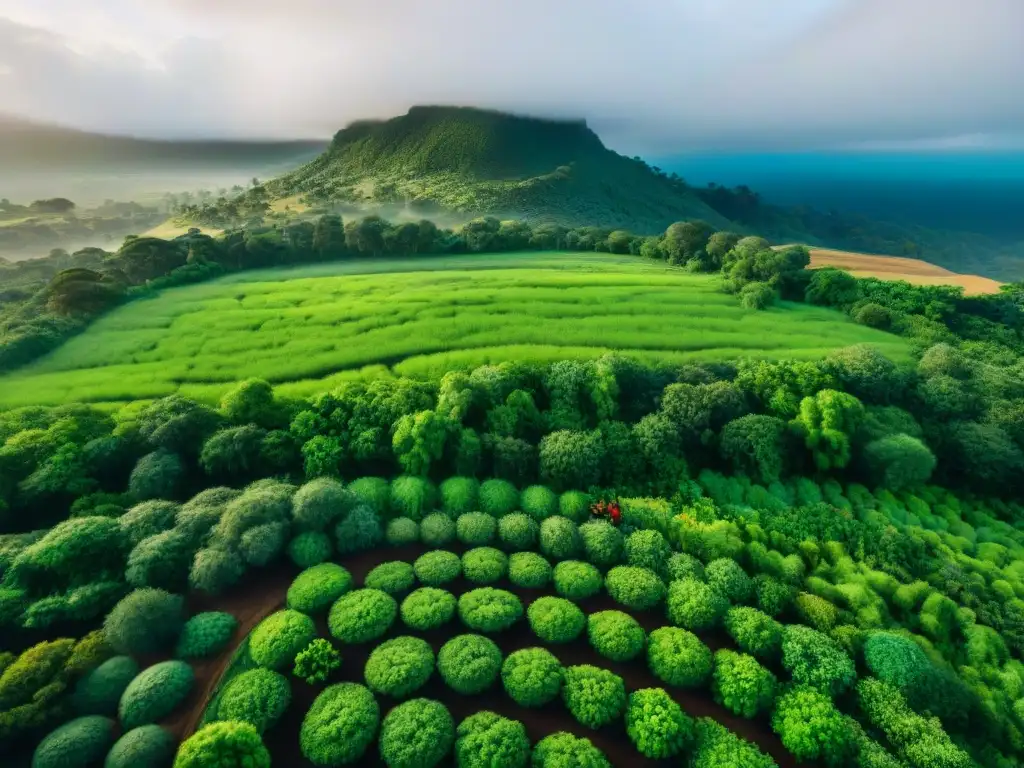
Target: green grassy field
pixel 309 328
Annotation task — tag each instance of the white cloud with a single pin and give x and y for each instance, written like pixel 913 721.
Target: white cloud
pixel 659 75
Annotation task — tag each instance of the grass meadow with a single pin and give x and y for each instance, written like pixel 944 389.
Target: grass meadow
pixel 307 329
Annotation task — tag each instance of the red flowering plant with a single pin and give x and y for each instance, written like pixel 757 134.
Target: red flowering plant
pixel 607 510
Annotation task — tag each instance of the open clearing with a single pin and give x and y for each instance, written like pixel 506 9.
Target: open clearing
pixel 170 229
pixel 913 271
pixel 307 329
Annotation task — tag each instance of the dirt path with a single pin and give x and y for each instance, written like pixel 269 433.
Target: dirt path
pixel 263 593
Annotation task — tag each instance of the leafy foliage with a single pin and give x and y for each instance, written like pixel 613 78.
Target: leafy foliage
pixel 362 615
pixel 257 696
pixel 678 657
pixel 485 739
pixel 638 589
pixel 416 734
pixel 518 532
pixel 395 577
pixel 99 691
pixel 576 580
pixel 476 529
pixel 205 634
pixel 532 677
pixel 741 684
pixel 145 621
pixel 562 749
pixel 428 608
pixel 487 609
pixel 814 660
pixel 555 619
pixel 616 635
pixel 316 662
pixel 400 666
pixel 694 605
pixel 340 725
pixel 656 725
pixel 155 693
pixel 594 696
pixel 278 638
pixel 76 744
pixel 148 746
pixel 437 567
pixel 437 530
pixel 811 727
pixel 529 570
pixel 469 664
pixel 223 745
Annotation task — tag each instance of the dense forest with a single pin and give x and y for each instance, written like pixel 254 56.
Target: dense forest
pixel 852 522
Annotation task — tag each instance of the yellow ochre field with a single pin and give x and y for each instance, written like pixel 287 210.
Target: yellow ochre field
pixel 900 268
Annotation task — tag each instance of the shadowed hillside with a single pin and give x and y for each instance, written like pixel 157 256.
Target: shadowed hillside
pixel 478 161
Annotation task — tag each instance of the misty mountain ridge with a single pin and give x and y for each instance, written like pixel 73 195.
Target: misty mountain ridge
pixel 478 161
pixel 30 146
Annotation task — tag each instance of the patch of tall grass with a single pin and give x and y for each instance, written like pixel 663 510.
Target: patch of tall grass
pixel 311 328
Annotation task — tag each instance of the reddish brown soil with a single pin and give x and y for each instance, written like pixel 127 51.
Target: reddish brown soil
pixel 265 592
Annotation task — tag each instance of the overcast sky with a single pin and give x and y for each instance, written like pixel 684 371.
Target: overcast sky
pixel 649 75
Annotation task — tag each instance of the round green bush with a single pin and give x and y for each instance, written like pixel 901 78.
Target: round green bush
pixel 577 580
pixel 816 660
pixel 683 565
pixel 718 746
pixel 648 549
pixel 561 750
pixel 487 609
pixel 726 576
pixel 145 621
pixel 205 634
pixel 518 532
pixel 498 498
pixel 215 569
pixel 316 661
pixel 359 531
pixel 400 666
pixel 602 543
pixel 487 740
pixel 695 605
pixel 412 497
pixel 316 588
pixel 539 502
pixel 574 505
pixel 395 577
pixel 469 663
pixel 80 743
pixel 374 492
pixel 340 725
pixel 532 677
pixel 428 608
pixel 459 495
pixel 310 548
pixel 638 589
pixel 417 734
pixel 257 696
pixel 320 503
pixel 155 693
pixel 484 565
pixel 401 531
pixel 275 640
pixel 773 597
pixel 678 657
pixel 437 567
pixel 560 538
pixel 362 615
pixel 437 530
pixel 594 696
pixel 657 725
pixel 616 635
pixel 223 745
pixel 555 619
pixel 893 659
pixel 529 570
pixel 742 685
pixel 99 691
pixel 148 746
pixel 476 529
pixel 755 632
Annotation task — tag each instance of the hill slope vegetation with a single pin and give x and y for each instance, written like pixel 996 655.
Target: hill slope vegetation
pixel 476 161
